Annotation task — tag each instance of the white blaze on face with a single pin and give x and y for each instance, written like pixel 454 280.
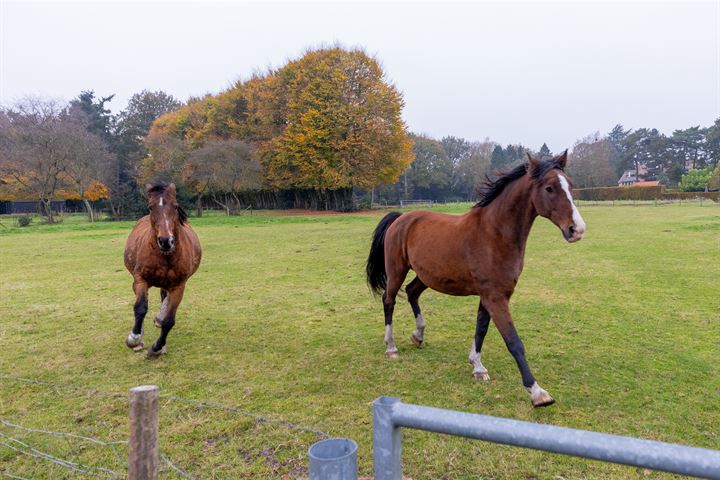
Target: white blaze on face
pixel 167 222
pixel 577 218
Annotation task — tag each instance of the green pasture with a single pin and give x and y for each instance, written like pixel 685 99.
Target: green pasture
pixel 278 339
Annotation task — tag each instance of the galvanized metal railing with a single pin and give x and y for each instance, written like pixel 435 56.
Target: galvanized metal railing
pixel 390 414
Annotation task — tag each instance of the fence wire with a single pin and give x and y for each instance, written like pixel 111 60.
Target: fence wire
pixel 21 447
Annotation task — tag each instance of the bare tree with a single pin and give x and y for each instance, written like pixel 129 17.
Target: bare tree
pixel 471 171
pixel 89 159
pixel 44 148
pixel 35 149
pixel 590 162
pixel 224 170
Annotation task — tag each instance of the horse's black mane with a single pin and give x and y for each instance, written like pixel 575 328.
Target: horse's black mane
pixel 160 187
pixel 490 189
pixel 182 216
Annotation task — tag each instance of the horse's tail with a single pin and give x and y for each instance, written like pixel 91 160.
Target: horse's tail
pixel 375 269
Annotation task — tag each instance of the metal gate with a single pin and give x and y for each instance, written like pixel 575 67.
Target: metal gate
pixel 390 414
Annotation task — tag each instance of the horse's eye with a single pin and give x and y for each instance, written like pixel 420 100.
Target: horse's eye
pixel 549 189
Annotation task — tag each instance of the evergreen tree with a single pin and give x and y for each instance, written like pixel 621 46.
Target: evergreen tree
pixel 689 145
pixel 544 152
pixel 131 126
pixel 712 144
pixel 498 159
pixel 617 148
pixel 99 118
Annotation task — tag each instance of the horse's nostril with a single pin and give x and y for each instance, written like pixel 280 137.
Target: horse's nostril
pixel 166 243
pixel 572 229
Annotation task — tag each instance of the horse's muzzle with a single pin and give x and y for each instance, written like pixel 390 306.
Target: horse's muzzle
pixel 166 244
pixel 573 233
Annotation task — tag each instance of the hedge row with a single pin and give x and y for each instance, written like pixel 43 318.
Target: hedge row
pixel 639 193
pixel 619 193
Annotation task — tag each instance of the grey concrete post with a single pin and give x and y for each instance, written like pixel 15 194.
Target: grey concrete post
pixel 387 440
pixel 143 448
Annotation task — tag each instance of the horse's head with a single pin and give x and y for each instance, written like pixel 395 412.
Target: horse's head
pixel 166 215
pixel 552 195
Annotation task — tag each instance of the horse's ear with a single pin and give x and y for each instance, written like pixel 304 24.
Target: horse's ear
pixel 532 160
pixel 148 187
pixel 171 188
pixel 561 159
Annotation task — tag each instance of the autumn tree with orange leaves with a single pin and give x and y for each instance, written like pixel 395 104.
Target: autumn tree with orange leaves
pixel 320 125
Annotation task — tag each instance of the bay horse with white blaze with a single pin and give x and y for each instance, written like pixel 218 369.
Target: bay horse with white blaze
pixel 478 253
pixel 162 251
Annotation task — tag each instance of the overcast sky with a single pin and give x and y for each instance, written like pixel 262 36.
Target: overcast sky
pixel 514 72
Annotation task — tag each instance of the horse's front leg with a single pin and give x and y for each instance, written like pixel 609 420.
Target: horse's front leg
pixel 135 338
pixel 174 297
pixel 163 308
pixel 500 312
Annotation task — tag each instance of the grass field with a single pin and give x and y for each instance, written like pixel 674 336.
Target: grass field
pixel 279 336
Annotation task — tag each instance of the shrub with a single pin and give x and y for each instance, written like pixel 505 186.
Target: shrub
pixel 24 220
pixel 696 180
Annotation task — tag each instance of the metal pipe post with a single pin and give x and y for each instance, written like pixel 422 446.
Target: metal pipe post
pixel 387 440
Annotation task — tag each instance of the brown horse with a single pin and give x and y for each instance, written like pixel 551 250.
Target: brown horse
pixel 162 251
pixel 479 253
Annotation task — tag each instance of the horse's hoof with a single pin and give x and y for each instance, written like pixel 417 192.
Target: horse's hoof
pixel 392 355
pixel 135 342
pixel 152 353
pixel 139 348
pixel 539 397
pixel 416 341
pixel 158 322
pixel 544 402
pixel 481 376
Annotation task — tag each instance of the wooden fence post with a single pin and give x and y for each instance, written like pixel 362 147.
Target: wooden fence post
pixel 144 450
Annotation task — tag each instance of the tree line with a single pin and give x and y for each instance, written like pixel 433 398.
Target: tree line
pixel 320 132
pixel 78 151
pixel 450 169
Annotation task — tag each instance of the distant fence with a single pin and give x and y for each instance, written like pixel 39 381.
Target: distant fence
pixel 415 203
pixel 390 414
pixel 700 201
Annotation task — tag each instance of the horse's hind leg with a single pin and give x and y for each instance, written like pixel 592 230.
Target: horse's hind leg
pixel 174 297
pixel 135 338
pixel 414 290
pixel 481 328
pixel 394 282
pixel 163 308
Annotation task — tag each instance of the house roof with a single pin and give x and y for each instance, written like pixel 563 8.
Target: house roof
pixel 628 176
